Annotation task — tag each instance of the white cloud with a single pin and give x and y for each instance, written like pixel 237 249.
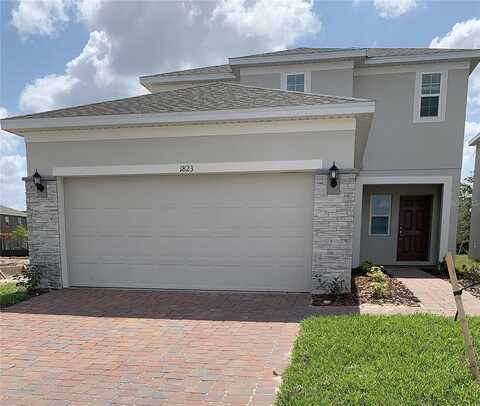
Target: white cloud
pixel 12 189
pixel 390 9
pixel 40 17
pixel 164 36
pixel 257 19
pixel 12 168
pixel 465 34
pixel 88 78
pixel 471 130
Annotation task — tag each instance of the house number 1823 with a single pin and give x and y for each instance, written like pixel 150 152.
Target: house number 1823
pixel 186 168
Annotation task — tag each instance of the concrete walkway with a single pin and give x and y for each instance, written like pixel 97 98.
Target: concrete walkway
pixel 434 293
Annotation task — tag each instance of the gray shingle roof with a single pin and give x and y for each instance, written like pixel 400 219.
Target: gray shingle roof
pixel 212 96
pixel 384 52
pixel 196 71
pixel 7 211
pixel 371 52
pixel 296 51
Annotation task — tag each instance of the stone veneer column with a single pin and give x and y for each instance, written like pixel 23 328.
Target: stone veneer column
pixel 43 232
pixel 332 234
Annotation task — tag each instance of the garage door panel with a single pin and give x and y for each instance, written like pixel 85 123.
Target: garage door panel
pixel 220 232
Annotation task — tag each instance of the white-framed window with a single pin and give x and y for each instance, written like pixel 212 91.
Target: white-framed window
pixel 380 214
pixel 296 82
pixel 430 96
pixel 7 220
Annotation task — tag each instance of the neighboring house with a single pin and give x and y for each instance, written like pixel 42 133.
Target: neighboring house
pixel 10 219
pixel 219 179
pixel 474 245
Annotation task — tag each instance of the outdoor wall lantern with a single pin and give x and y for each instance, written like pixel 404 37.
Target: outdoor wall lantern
pixel 37 181
pixel 333 174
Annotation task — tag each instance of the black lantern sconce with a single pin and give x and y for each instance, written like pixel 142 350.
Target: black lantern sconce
pixel 37 181
pixel 333 175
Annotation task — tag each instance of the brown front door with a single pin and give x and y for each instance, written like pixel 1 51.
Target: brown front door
pixel 414 228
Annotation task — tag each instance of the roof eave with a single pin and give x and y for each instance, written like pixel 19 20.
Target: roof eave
pixel 474 141
pixel 298 57
pixel 465 55
pixel 17 126
pixel 152 80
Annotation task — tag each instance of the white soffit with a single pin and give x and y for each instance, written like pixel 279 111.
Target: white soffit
pixel 286 112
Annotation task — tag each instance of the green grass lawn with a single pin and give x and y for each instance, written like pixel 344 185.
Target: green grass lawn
pixel 461 260
pixel 10 294
pixel 380 360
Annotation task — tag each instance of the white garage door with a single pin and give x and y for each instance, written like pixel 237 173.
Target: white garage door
pixel 214 232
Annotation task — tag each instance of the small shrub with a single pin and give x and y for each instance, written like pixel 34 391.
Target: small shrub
pixel 379 289
pixel 29 279
pixel 364 267
pixel 376 274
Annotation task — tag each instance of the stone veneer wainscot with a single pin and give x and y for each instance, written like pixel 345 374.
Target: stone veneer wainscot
pixel 332 234
pixel 43 232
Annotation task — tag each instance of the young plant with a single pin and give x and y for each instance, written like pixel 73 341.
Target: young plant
pixel 376 274
pixel 379 289
pixel 29 278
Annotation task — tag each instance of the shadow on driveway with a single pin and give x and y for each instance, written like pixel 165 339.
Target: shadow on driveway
pixel 177 305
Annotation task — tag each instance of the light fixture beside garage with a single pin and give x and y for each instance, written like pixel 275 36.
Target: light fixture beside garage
pixel 37 181
pixel 333 175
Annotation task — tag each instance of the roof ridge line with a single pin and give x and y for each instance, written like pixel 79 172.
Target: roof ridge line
pixel 186 70
pixel 295 91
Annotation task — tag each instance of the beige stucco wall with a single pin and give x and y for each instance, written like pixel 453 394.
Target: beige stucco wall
pixel 337 82
pixel 268 80
pixel 395 141
pixel 332 145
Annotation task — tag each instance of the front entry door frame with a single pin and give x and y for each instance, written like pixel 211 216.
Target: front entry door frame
pixel 414 227
pixel 446 205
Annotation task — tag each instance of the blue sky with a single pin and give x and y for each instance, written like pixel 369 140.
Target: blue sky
pixel 57 53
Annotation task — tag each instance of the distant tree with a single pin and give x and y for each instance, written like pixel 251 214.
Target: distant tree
pixel 19 235
pixel 464 214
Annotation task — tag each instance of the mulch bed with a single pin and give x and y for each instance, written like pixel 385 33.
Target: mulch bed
pixel 362 293
pixel 474 290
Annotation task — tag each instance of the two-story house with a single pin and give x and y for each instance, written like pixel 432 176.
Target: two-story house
pixel 10 219
pixel 275 172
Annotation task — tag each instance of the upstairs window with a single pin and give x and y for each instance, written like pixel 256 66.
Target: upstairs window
pixel 430 96
pixel 296 82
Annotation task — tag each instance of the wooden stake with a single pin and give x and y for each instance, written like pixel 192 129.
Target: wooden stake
pixel 467 337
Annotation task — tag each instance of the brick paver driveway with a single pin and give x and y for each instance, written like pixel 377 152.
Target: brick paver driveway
pixel 101 346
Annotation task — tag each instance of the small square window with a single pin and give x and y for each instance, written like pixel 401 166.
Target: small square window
pixel 431 83
pixel 429 106
pixel 296 82
pixel 380 209
pixel 379 225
